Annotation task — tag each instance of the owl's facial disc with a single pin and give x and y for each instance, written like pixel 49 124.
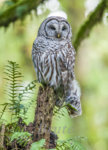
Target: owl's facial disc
pixel 58 30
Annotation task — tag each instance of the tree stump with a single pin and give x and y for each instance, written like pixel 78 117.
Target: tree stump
pixel 43 114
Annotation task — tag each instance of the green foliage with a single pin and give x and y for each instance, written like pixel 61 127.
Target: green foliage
pixel 70 144
pixel 17 94
pixel 6 4
pixel 94 18
pixel 3 110
pixel 26 94
pixel 16 10
pixel 62 111
pixel 21 138
pixel 38 145
pixel 59 112
pixel 13 78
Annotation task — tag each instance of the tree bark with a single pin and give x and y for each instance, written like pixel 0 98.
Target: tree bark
pixel 43 114
pixel 2 136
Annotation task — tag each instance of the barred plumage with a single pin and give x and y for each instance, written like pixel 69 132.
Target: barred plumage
pixel 54 58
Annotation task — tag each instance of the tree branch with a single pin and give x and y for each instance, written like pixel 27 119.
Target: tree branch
pixel 17 11
pixel 94 18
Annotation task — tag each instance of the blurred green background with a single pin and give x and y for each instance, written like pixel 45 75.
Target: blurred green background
pixel 91 67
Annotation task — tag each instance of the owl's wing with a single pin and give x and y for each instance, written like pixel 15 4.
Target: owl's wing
pixel 67 61
pixel 36 57
pixel 71 88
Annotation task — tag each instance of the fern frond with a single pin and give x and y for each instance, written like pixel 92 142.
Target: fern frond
pixel 71 144
pixel 17 93
pixel 59 112
pixel 77 145
pixel 22 138
pixel 13 76
pixel 13 86
pixel 26 94
pixel 29 88
pixel 4 109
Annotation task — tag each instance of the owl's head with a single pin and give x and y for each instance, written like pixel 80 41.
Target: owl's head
pixel 55 28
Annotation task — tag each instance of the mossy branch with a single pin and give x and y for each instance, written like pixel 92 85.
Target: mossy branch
pixel 94 18
pixel 17 11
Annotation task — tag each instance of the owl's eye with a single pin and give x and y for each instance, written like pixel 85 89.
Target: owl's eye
pixel 52 27
pixel 64 28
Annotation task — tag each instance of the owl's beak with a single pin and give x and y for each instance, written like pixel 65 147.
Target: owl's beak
pixel 58 35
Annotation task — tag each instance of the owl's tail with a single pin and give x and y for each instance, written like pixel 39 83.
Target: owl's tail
pixel 72 98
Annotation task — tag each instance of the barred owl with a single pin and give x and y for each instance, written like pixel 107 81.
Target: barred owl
pixel 54 58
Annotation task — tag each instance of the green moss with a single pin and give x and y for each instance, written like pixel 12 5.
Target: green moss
pixel 94 18
pixel 17 11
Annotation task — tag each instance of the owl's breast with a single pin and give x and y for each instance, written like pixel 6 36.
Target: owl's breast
pixel 50 60
pixel 50 69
